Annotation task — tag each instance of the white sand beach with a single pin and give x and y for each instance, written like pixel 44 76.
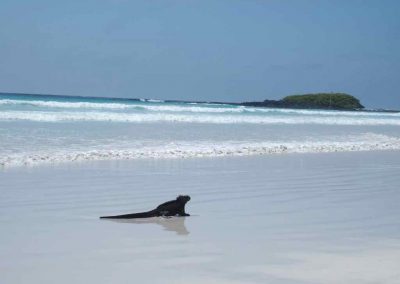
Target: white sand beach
pixel 291 218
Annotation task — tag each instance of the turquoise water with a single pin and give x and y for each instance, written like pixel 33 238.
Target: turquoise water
pixel 38 129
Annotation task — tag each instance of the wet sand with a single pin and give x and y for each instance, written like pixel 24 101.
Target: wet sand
pixel 294 218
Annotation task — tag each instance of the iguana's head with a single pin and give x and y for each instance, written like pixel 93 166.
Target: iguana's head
pixel 183 198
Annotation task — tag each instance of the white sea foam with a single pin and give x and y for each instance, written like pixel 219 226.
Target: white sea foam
pixel 365 142
pixel 154 101
pixel 122 106
pixel 44 116
pixel 57 104
pixel 326 112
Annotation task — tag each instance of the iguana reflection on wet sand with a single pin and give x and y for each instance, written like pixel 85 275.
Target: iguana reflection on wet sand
pixel 170 224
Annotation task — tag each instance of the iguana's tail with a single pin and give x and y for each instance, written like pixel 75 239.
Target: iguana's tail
pixel 148 214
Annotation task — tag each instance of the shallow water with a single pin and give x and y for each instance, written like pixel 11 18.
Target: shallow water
pixel 295 218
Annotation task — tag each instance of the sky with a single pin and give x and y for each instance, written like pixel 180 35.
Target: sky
pixel 216 50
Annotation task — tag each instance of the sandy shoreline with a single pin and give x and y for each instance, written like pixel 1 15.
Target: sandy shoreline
pixel 296 218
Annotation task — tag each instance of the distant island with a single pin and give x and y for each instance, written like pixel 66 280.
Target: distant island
pixel 336 101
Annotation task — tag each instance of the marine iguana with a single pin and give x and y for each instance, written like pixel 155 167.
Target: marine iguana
pixel 170 208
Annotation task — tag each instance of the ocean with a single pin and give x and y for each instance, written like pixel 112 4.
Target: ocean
pixel 37 129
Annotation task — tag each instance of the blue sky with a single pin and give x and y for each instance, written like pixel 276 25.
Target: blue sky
pixel 221 50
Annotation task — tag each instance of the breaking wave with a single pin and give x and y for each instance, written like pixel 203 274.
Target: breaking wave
pixel 68 116
pixel 367 142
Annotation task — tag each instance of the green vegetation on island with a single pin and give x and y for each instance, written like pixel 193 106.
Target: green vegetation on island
pixel 338 101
